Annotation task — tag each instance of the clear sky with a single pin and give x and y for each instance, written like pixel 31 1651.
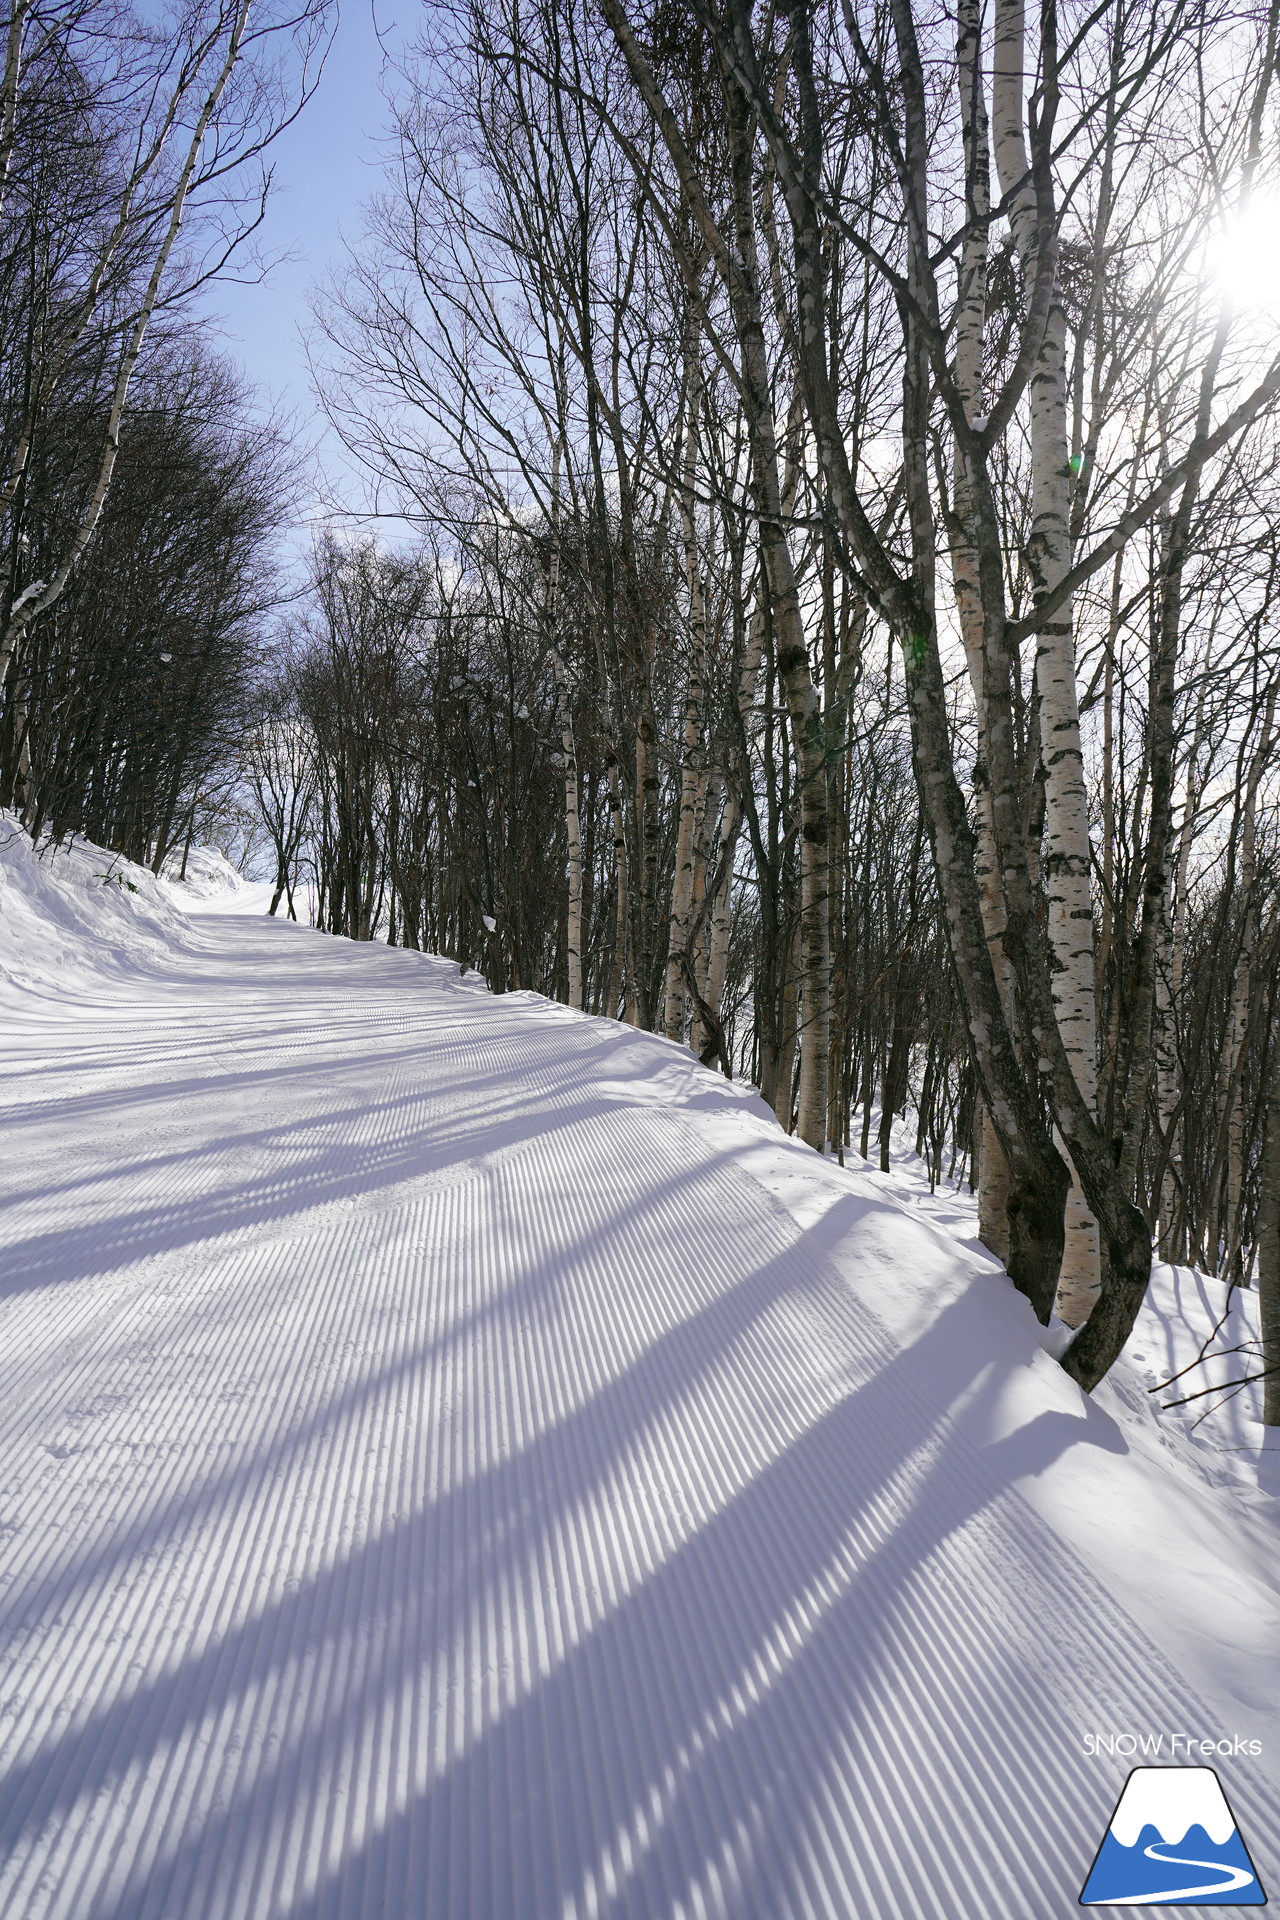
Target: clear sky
pixel 326 165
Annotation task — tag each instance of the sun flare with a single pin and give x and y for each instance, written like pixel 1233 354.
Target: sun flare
pixel 1244 258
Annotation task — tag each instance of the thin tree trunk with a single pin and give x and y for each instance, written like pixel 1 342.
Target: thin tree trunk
pixel 739 269
pixel 648 795
pixel 568 754
pixel 731 821
pixel 617 984
pixel 1241 997
pixel 971 314
pixel 1269 1244
pixel 1169 967
pixel 789 1003
pixel 691 770
pixel 804 706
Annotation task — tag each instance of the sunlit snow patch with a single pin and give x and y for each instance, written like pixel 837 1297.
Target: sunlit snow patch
pixel 1172 1841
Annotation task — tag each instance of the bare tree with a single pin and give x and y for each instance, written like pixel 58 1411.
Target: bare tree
pixel 119 133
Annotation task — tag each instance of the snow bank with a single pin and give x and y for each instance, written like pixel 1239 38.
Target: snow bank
pixel 212 885
pixel 1187 1315
pixel 72 914
pixel 204 874
pixel 1189 1326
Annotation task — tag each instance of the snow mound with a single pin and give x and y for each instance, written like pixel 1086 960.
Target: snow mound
pixel 1197 1341
pixel 1192 1334
pixel 204 874
pixel 73 912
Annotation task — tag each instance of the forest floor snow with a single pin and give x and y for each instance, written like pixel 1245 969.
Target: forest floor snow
pixel 461 1461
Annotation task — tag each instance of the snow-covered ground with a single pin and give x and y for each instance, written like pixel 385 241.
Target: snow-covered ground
pixel 459 1460
pixel 1190 1326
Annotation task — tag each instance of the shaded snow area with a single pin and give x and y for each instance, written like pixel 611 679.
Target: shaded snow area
pixel 460 1461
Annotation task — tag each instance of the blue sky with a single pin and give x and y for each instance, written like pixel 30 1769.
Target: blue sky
pixel 326 165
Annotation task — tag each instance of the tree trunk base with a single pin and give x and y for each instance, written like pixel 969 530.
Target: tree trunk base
pixel 1126 1270
pixel 1035 1216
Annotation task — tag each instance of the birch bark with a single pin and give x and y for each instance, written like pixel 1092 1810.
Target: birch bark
pixel 1065 859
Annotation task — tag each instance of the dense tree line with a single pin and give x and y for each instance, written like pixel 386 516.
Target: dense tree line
pixel 138 682
pixel 419 757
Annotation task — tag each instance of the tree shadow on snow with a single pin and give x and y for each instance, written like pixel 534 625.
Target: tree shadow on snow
pixel 853 1679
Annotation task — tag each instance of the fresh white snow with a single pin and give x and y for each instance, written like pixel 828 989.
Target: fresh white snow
pixel 460 1460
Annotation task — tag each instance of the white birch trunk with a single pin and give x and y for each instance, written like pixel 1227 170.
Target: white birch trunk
pixel 1065 847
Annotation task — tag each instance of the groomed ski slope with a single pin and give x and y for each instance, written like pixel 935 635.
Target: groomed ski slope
pixel 460 1461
